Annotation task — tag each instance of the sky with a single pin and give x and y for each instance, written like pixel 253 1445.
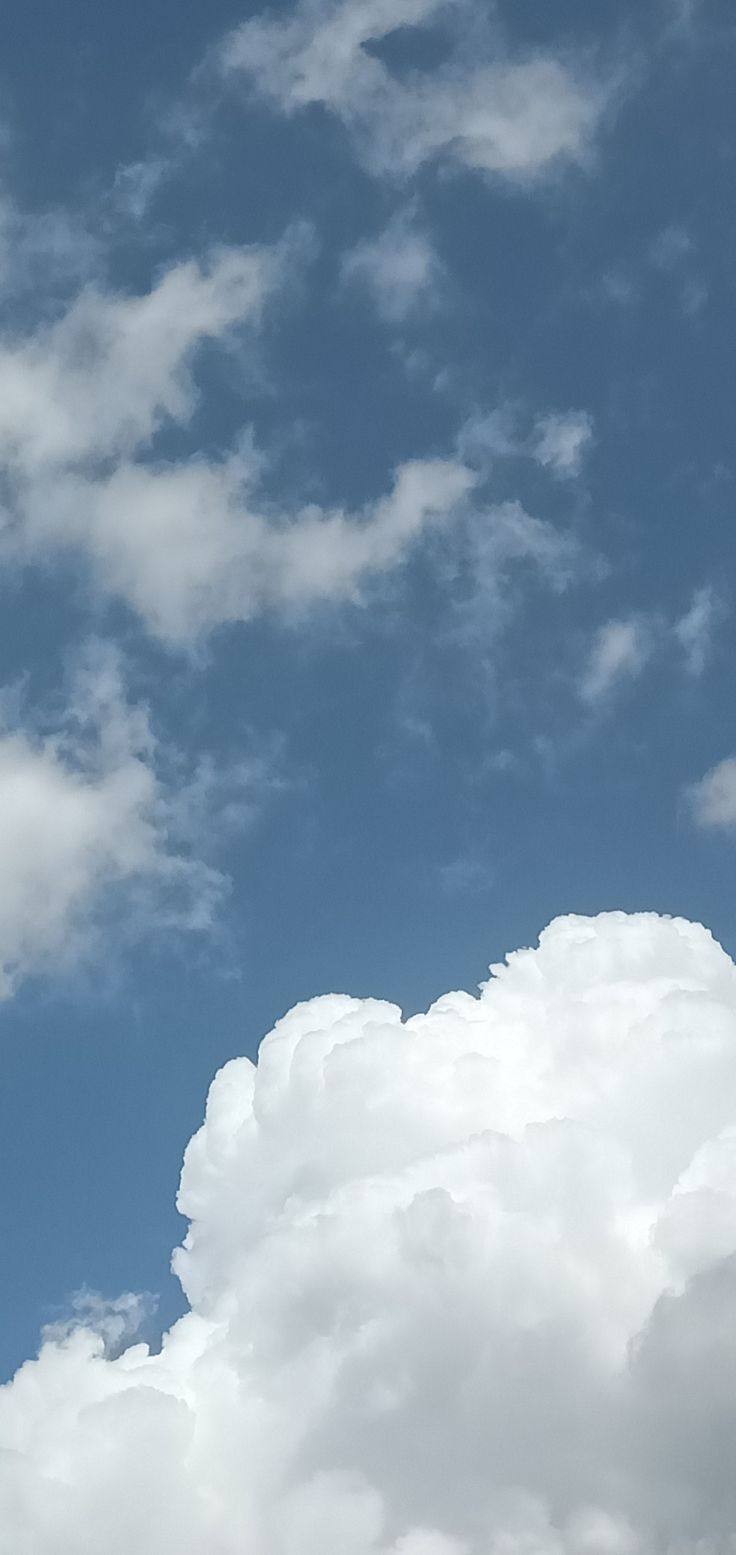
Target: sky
pixel 366 403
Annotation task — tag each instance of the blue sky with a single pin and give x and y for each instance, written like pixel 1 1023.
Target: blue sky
pixel 366 417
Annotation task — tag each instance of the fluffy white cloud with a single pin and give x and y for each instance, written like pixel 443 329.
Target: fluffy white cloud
pixel 619 652
pixel 514 118
pixel 462 1285
pixel 90 821
pixel 400 269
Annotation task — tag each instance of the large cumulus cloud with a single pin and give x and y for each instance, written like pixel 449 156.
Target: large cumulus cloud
pixel 460 1285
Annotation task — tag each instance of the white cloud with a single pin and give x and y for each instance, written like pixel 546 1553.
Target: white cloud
pixel 459 1286
pixel 112 371
pixel 560 441
pixel 714 796
pixel 187 548
pixel 400 269
pixel 514 118
pixel 619 652
pixel 622 648
pixel 185 543
pixel 94 831
pixel 188 543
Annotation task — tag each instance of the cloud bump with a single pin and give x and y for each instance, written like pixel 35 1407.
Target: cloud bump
pixel 460 1285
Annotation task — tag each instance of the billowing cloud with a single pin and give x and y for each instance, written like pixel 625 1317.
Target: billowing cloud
pixel 95 826
pixel 462 1285
pixel 483 110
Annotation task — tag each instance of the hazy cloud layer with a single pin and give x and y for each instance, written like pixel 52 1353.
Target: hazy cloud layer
pixel 459 1286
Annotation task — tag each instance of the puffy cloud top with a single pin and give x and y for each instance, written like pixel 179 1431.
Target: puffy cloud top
pixel 460 1285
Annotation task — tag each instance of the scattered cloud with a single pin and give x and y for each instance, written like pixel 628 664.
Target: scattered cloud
pixel 694 630
pixel 620 650
pixel 188 548
pixel 713 798
pixel 190 543
pixel 533 1221
pixel 400 269
pixel 561 441
pixel 623 648
pixel 557 440
pixel 488 436
pixel 502 545
pixel 96 834
pixel 516 118
pixel 99 382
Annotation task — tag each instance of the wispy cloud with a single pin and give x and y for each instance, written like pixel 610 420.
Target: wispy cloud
pixel 104 837
pixel 505 116
pixel 620 650
pixel 560 442
pixel 188 543
pixel 713 797
pixel 400 269
pixel 694 630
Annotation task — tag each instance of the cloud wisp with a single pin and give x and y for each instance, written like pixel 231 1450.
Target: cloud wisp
pixel 458 1286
